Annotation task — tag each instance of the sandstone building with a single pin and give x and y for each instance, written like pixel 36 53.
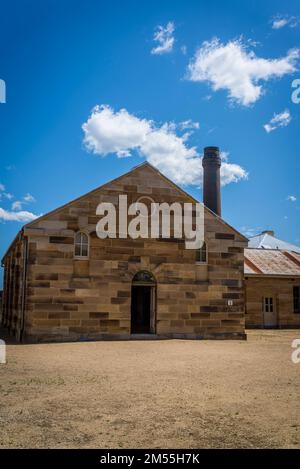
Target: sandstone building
pixel 62 282
pixel 272 287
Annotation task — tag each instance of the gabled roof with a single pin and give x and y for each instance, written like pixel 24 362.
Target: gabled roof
pixel 135 168
pixel 144 164
pixel 267 241
pixel 272 262
pixel 113 181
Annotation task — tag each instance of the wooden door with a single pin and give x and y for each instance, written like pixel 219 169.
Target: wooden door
pixel 269 312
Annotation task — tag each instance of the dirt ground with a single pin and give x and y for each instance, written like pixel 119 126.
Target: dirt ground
pixel 155 394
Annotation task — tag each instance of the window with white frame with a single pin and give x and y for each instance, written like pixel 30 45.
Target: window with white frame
pixel 81 244
pixel 268 306
pixel 201 254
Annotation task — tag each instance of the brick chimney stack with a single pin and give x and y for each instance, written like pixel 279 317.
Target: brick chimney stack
pixel 211 163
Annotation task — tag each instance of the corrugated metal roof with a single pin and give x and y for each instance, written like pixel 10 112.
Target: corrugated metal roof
pixel 248 270
pixel 271 262
pixel 267 241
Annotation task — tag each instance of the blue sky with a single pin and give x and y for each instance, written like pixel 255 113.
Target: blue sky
pixel 59 59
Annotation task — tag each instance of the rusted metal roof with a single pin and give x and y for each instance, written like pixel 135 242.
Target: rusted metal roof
pixel 271 262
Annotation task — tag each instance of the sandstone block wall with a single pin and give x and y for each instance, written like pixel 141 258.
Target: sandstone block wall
pixel 14 288
pixel 72 299
pixel 281 289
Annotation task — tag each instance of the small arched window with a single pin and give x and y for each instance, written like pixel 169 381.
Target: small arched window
pixel 201 254
pixel 144 276
pixel 81 244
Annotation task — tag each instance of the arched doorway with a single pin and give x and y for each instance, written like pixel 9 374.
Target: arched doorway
pixel 143 303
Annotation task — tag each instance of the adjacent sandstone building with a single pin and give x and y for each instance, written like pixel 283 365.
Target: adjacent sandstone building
pixel 272 287
pixel 62 282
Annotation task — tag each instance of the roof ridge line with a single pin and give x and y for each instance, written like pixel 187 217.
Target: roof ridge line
pixel 252 265
pixel 291 258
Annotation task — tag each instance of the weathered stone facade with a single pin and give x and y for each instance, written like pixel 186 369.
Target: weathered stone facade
pixel 61 297
pixel 14 286
pixel 272 287
pixel 281 290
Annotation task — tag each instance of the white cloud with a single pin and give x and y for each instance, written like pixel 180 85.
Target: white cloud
pixel 21 216
pixel 231 172
pixel 17 205
pixel 8 195
pixel 224 156
pixel 164 38
pixel 16 213
pixel 233 67
pixel 249 231
pixel 278 120
pixel 107 132
pixel 29 198
pixel 291 198
pixel 208 97
pixel 280 21
pixel 183 49
pixel 189 125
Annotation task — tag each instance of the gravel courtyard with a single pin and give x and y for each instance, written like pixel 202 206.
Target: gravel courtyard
pixel 155 394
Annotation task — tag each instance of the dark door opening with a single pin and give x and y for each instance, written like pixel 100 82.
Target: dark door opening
pixel 141 299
